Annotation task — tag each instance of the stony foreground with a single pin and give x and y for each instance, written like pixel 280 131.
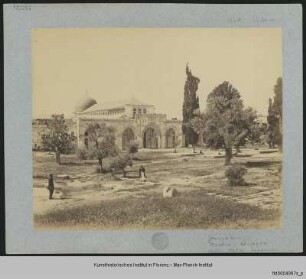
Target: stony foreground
pixel 84 197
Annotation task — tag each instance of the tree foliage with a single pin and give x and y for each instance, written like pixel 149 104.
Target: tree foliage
pixel 132 147
pixel 235 175
pixel 275 116
pixel 198 124
pixel 245 127
pixel 101 142
pixel 190 105
pixel 57 138
pixel 228 124
pixel 258 133
pixel 121 162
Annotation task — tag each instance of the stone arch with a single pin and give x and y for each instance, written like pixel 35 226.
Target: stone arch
pixel 96 125
pixel 151 136
pixel 128 135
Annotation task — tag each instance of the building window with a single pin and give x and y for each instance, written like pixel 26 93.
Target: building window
pixel 139 111
pixel 134 112
pixel 144 111
pixel 72 133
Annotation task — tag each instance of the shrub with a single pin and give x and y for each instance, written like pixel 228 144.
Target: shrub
pixel 133 147
pixel 235 174
pixel 82 154
pixel 120 162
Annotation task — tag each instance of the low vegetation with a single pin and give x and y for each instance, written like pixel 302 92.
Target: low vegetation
pixel 103 201
pixel 193 210
pixel 235 175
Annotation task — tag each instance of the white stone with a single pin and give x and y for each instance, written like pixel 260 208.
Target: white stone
pixel 169 192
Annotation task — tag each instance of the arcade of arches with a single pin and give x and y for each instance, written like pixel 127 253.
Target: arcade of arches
pixel 150 136
pixel 170 138
pixel 131 120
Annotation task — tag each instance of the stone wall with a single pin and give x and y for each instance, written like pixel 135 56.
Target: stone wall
pixel 38 128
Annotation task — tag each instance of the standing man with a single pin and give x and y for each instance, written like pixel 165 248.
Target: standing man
pixel 142 173
pixel 50 186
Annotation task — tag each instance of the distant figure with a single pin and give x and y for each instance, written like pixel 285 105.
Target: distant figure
pixel 142 173
pixel 50 186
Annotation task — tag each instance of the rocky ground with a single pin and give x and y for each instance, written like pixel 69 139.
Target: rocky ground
pixel 77 183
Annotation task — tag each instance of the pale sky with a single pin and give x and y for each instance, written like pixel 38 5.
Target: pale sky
pixel 149 64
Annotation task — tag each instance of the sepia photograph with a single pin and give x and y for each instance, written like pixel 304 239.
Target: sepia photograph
pixel 157 128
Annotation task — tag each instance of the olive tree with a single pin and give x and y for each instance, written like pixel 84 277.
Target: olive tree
pixel 102 144
pixel 56 138
pixel 228 124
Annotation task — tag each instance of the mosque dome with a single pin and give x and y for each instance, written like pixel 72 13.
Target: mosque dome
pixel 84 103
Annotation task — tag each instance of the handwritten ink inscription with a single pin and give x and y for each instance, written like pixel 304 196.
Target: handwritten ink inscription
pixel 258 20
pixel 236 244
pixel 22 7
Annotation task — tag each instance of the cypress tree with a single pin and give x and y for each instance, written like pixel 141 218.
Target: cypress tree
pixel 190 106
pixel 274 117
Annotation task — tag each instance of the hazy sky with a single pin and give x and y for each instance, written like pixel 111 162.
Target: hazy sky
pixel 149 65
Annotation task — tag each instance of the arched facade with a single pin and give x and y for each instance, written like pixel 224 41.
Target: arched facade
pixel 131 120
pixel 150 131
pixel 170 138
pixel 151 136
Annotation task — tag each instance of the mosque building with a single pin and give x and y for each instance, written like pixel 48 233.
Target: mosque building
pixel 131 119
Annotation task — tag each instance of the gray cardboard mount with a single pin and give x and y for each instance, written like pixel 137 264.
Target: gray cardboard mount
pixel 21 237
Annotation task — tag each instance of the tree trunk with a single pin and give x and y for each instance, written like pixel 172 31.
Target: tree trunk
pixel 100 164
pixel 193 148
pixel 228 155
pixel 200 141
pixel 58 157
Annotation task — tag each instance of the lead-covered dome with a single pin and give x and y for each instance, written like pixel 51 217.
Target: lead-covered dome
pixel 84 103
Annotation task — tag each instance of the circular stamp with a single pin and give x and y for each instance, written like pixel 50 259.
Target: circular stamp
pixel 160 241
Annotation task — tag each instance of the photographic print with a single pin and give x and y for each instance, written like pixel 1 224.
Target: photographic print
pixel 153 128
pixel 157 128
